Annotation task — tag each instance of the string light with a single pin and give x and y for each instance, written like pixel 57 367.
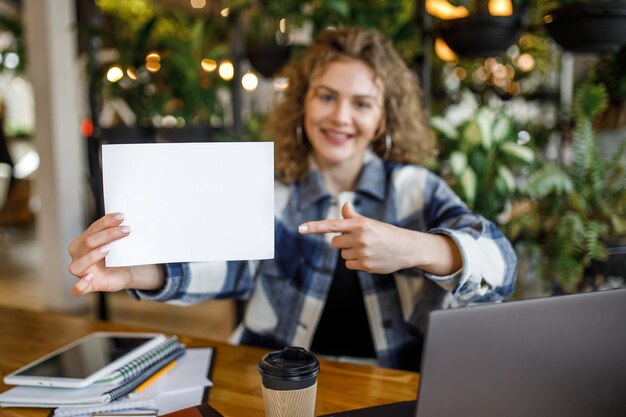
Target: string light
pixel 132 74
pixel 226 70
pixel 442 9
pixel 153 62
pixel 115 73
pixel 249 81
pixel 500 7
pixel 444 52
pixel 153 66
pixel 208 65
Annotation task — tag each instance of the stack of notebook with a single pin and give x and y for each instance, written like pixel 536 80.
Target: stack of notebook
pixel 102 394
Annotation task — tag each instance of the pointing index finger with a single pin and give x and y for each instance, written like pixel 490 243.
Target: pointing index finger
pixel 325 226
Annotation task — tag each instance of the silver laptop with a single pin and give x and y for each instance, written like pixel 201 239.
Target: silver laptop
pixel 555 357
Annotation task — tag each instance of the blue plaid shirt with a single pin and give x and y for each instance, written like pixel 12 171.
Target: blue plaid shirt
pixel 286 294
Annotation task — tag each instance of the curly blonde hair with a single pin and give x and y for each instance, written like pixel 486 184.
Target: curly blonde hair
pixel 403 119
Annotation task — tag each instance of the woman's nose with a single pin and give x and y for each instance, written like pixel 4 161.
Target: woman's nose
pixel 341 113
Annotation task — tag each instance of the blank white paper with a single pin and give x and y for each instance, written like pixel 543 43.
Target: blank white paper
pixel 191 202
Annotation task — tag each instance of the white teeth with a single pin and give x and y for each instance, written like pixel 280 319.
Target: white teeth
pixel 337 135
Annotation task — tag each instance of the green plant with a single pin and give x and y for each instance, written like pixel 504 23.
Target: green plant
pixel 610 70
pixel 481 154
pixel 396 19
pixel 178 87
pixel 575 209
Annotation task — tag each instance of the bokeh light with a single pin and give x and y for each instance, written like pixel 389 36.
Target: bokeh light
pixel 226 70
pixel 249 81
pixel 115 73
pixel 208 65
pixel 500 7
pixel 444 52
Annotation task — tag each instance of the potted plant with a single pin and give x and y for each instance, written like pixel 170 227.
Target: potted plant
pixel 482 33
pixel 272 41
pixel 482 154
pixel 587 26
pixel 573 211
pixel 268 44
pixel 268 28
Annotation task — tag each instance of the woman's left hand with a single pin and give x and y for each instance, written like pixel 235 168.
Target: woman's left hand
pixel 367 244
pixel 381 248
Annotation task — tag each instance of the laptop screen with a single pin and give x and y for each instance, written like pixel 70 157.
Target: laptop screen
pixel 556 356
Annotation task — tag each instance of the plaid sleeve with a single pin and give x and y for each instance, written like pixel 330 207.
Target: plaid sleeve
pixel 489 261
pixel 188 283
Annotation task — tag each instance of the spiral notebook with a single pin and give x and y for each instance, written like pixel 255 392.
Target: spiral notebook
pixel 186 384
pixel 120 383
pixel 142 363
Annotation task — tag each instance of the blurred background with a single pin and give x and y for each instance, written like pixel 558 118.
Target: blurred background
pixel 527 99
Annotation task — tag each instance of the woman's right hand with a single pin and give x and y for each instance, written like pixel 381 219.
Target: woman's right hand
pixel 88 252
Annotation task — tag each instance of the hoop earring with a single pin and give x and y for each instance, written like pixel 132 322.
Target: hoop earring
pixel 299 139
pixel 388 144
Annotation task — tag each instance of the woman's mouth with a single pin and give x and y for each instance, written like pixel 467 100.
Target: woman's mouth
pixel 335 137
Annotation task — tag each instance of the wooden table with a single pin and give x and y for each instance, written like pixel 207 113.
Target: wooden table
pixel 27 335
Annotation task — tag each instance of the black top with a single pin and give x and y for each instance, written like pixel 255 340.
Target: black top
pixel 343 329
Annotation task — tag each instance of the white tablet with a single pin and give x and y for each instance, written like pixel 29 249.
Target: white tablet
pixel 86 360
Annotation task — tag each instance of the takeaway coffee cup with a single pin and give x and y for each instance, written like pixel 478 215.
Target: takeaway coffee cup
pixel 289 382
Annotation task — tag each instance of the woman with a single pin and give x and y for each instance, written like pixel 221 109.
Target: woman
pixel 367 242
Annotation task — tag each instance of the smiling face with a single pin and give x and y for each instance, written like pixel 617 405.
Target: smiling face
pixel 342 112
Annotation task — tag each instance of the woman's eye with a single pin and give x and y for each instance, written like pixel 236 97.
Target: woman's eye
pixel 362 104
pixel 326 98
